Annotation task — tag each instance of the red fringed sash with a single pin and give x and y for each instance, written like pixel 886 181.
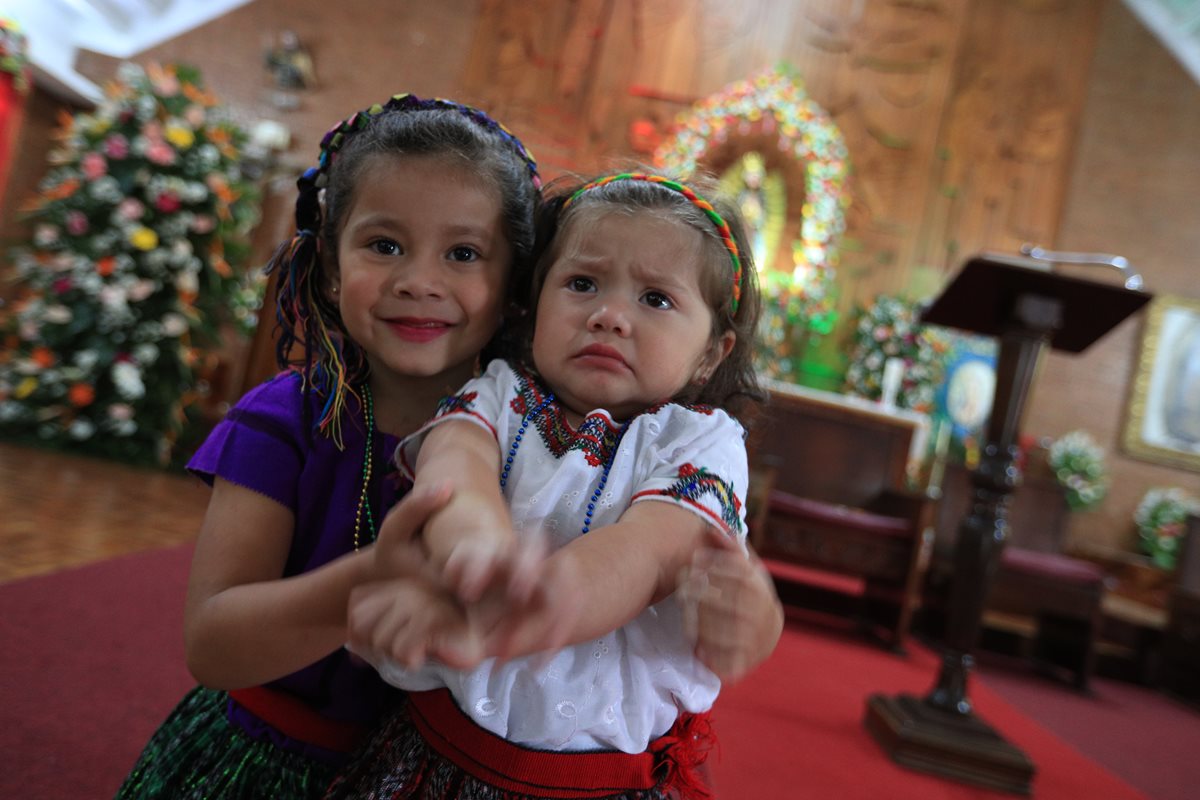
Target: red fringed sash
pixel 674 758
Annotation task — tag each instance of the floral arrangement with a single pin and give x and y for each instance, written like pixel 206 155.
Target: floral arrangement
pixel 775 102
pixel 1161 518
pixel 888 329
pixel 14 58
pixel 789 317
pixel 1078 466
pixel 136 231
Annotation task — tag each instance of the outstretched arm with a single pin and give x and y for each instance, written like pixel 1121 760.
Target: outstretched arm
pixel 468 539
pixel 244 624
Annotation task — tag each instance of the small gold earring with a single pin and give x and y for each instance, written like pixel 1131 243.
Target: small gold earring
pixel 334 290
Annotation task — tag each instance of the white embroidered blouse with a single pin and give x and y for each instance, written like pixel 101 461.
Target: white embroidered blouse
pixel 626 688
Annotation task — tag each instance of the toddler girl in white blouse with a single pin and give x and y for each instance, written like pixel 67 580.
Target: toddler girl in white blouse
pixel 618 458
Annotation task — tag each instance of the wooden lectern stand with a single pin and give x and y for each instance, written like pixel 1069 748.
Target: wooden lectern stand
pixel 1028 308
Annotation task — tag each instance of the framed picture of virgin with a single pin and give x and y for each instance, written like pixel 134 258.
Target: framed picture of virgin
pixel 1162 423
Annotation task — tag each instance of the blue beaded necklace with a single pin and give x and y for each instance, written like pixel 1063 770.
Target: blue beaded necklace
pixel 512 454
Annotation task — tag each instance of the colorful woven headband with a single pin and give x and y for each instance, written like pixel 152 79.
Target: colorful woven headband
pixel 717 220
pixel 307 213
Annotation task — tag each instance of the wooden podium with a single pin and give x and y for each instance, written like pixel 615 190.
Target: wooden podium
pixel 1027 308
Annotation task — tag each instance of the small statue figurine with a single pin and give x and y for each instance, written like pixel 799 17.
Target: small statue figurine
pixel 290 64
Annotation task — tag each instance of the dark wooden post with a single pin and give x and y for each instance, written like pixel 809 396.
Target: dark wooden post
pixel 1028 309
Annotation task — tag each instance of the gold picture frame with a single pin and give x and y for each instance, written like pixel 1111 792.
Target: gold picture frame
pixel 1162 423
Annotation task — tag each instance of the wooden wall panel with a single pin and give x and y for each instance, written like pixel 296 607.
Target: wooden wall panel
pixel 1007 139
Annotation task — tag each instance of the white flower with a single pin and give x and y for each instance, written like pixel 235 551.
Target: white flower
pixel 123 427
pixel 120 412
pixel 81 429
pixel 45 235
pixel 127 377
pixel 57 314
pixel 187 283
pixel 146 353
pixel 113 297
pixel 141 289
pixel 106 190
pixel 86 359
pixel 174 324
pixel 270 135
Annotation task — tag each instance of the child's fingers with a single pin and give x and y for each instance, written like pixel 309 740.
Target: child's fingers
pixel 462 648
pixel 469 570
pixel 408 516
pixel 525 567
pixel 365 608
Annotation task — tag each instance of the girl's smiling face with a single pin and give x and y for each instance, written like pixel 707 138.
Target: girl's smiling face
pixel 423 264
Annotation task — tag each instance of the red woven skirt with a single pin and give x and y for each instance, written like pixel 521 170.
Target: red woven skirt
pixel 431 749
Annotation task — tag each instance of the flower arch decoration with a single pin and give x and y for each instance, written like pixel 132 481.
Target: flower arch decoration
pixel 775 100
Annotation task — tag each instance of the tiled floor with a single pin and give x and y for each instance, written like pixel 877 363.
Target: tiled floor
pixel 58 510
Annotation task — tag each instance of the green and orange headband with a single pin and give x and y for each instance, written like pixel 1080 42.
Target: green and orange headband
pixel 723 231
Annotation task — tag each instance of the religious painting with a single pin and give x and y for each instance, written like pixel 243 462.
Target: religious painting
pixel 761 195
pixel 962 402
pixel 783 158
pixel 1163 420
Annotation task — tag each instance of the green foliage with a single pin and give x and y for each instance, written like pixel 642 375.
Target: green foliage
pixel 139 231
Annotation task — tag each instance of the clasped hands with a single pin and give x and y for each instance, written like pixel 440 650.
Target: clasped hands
pixel 487 595
pixel 480 603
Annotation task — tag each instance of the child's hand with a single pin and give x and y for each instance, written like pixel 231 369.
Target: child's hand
pixel 730 610
pixel 409 621
pixel 397 550
pixel 538 620
pixel 479 565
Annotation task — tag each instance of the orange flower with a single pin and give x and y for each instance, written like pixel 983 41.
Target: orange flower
pixel 42 356
pixel 62 190
pixel 219 264
pixel 197 95
pixel 66 125
pixel 106 265
pixel 81 394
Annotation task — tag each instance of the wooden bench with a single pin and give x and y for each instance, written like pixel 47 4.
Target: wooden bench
pixel 830 493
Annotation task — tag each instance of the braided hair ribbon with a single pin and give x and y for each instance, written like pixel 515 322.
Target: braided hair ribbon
pixel 723 230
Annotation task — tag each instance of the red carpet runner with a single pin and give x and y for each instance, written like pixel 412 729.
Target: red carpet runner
pixel 91 660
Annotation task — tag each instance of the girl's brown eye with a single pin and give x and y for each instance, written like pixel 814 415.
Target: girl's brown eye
pixel 464 254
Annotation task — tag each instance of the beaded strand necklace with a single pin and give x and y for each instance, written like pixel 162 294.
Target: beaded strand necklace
pixel 364 500
pixel 608 462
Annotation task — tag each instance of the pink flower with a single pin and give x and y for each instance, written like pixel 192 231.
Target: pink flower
pixel 131 208
pixel 167 203
pixel 203 223
pixel 62 285
pixel 194 115
pixel 116 146
pixel 94 166
pixel 77 223
pixel 161 153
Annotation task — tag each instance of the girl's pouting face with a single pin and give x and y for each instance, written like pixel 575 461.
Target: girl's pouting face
pixel 423 264
pixel 622 323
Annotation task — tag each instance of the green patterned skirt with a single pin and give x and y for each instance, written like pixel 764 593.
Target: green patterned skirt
pixel 196 754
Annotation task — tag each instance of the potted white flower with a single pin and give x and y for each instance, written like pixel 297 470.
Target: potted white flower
pixel 1161 519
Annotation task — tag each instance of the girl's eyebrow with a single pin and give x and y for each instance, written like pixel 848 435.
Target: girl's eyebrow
pixel 660 275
